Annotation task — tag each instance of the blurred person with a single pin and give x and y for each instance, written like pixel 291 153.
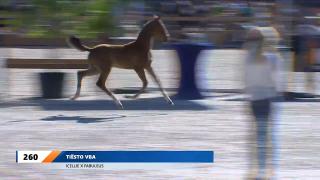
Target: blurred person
pixel 263 84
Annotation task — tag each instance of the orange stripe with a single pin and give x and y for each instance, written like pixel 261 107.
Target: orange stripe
pixel 52 156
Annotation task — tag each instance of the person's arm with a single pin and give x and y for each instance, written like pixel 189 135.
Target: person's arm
pixel 278 72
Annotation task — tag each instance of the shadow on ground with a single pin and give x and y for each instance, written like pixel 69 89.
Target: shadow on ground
pixel 140 104
pixel 133 90
pixel 288 97
pixel 82 119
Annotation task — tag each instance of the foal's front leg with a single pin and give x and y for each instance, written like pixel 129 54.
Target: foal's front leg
pixel 142 76
pixel 101 83
pixel 151 72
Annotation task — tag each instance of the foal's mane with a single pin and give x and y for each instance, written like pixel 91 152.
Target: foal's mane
pixel 152 23
pixel 146 26
pixel 149 30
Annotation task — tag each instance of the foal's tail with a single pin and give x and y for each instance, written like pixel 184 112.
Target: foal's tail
pixel 76 43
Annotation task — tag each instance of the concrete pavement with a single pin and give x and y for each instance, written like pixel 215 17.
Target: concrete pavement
pixel 220 123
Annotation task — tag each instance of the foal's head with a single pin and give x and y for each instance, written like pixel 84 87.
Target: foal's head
pixel 157 29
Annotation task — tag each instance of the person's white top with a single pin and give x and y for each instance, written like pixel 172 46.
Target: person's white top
pixel 263 79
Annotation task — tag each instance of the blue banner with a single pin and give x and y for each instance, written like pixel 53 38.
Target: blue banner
pixel 135 157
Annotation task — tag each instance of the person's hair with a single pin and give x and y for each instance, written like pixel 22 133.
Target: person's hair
pixel 271 38
pixel 263 39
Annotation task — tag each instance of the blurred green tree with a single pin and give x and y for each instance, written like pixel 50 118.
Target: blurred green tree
pixel 58 18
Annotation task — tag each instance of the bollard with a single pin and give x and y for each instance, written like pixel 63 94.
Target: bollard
pixel 188 55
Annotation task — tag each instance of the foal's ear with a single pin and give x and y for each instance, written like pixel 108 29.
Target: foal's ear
pixel 156 17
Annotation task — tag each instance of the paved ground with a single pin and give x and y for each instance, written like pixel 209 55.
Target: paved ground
pixel 220 123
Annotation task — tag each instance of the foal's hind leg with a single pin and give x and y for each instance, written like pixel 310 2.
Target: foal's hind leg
pixel 89 72
pixel 101 83
pixel 142 76
pixel 151 72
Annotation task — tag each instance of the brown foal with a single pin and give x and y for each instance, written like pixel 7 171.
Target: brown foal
pixel 134 55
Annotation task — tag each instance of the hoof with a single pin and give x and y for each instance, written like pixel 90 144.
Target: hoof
pixel 120 106
pixel 170 102
pixel 73 98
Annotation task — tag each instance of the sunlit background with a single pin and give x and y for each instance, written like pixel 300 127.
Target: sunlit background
pixel 219 21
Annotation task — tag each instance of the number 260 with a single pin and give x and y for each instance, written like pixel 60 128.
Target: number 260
pixel 30 156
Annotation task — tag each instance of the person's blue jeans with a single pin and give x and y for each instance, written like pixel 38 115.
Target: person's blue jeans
pixel 261 110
